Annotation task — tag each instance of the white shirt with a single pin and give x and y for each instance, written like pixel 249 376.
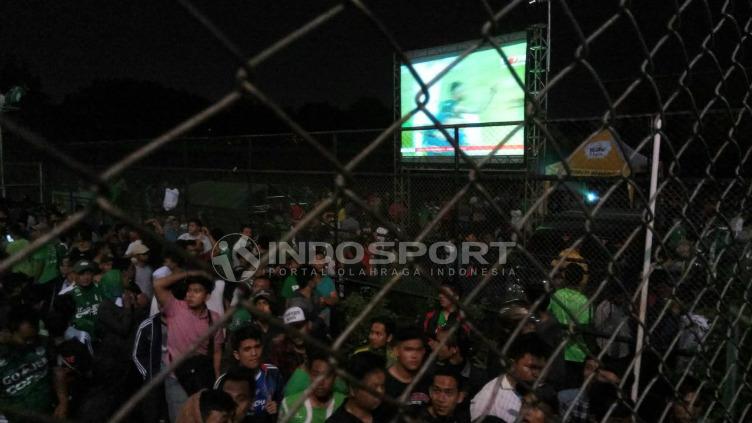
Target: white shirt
pixel 497 399
pixel 204 240
pixel 162 272
pixel 142 278
pixel 215 302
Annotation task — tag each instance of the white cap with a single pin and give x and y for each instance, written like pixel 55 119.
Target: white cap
pixel 294 315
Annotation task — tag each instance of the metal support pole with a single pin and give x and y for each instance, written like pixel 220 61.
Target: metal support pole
pixel 457 207
pixel 647 260
pixel 732 364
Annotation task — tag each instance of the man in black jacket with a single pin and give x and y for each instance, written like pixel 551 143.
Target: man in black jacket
pixel 115 325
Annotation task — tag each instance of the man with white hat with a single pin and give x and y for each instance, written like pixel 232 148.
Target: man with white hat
pixel 139 256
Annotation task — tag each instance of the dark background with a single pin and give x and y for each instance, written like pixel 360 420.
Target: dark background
pixel 110 70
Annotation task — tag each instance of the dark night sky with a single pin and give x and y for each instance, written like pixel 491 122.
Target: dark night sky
pixel 70 44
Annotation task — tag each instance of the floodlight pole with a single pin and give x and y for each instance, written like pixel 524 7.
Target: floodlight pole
pixel 647 260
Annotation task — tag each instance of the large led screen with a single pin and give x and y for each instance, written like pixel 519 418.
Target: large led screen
pixel 479 96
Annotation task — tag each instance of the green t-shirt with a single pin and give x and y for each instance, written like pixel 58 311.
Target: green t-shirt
pixel 24 266
pixel 300 380
pixel 289 286
pixel 49 258
pixel 564 304
pixel 87 302
pixel 26 378
pixel 307 413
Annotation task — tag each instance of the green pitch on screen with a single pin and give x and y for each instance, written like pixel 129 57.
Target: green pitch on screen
pixel 479 89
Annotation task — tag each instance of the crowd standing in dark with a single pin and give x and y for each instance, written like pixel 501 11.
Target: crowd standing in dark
pixel 93 315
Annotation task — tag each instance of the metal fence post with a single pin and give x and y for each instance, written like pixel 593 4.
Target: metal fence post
pixel 647 260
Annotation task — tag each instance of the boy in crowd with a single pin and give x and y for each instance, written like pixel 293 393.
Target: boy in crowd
pixel 86 296
pixel 410 351
pixel 248 350
pixel 187 320
pixel 499 398
pixel 446 392
pixel 197 232
pixel 379 337
pixel 322 401
pixel 368 369
pixel 27 373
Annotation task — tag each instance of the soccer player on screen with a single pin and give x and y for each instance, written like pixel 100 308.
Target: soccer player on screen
pixel 452 111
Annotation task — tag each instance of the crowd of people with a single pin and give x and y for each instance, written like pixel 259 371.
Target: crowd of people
pixel 95 314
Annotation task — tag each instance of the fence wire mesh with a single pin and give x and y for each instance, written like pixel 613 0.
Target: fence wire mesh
pixel 618 301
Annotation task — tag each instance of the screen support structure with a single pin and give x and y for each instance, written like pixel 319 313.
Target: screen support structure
pixel 536 81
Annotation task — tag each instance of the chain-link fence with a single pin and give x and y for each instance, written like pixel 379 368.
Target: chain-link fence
pixel 623 295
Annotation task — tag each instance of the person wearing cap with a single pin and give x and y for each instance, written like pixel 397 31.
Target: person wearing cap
pixel 242 317
pixel 263 301
pixel 187 321
pixel 86 297
pixel 142 270
pixel 307 296
pixel 248 351
pixel 288 352
pixel 571 256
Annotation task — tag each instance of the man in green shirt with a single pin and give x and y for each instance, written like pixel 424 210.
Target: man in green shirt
pixel 570 307
pixel 17 243
pixel 322 402
pixel 26 369
pixel 46 260
pixel 379 337
pixel 290 283
pixel 86 297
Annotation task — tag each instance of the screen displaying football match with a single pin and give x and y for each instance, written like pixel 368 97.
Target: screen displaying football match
pixel 480 89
